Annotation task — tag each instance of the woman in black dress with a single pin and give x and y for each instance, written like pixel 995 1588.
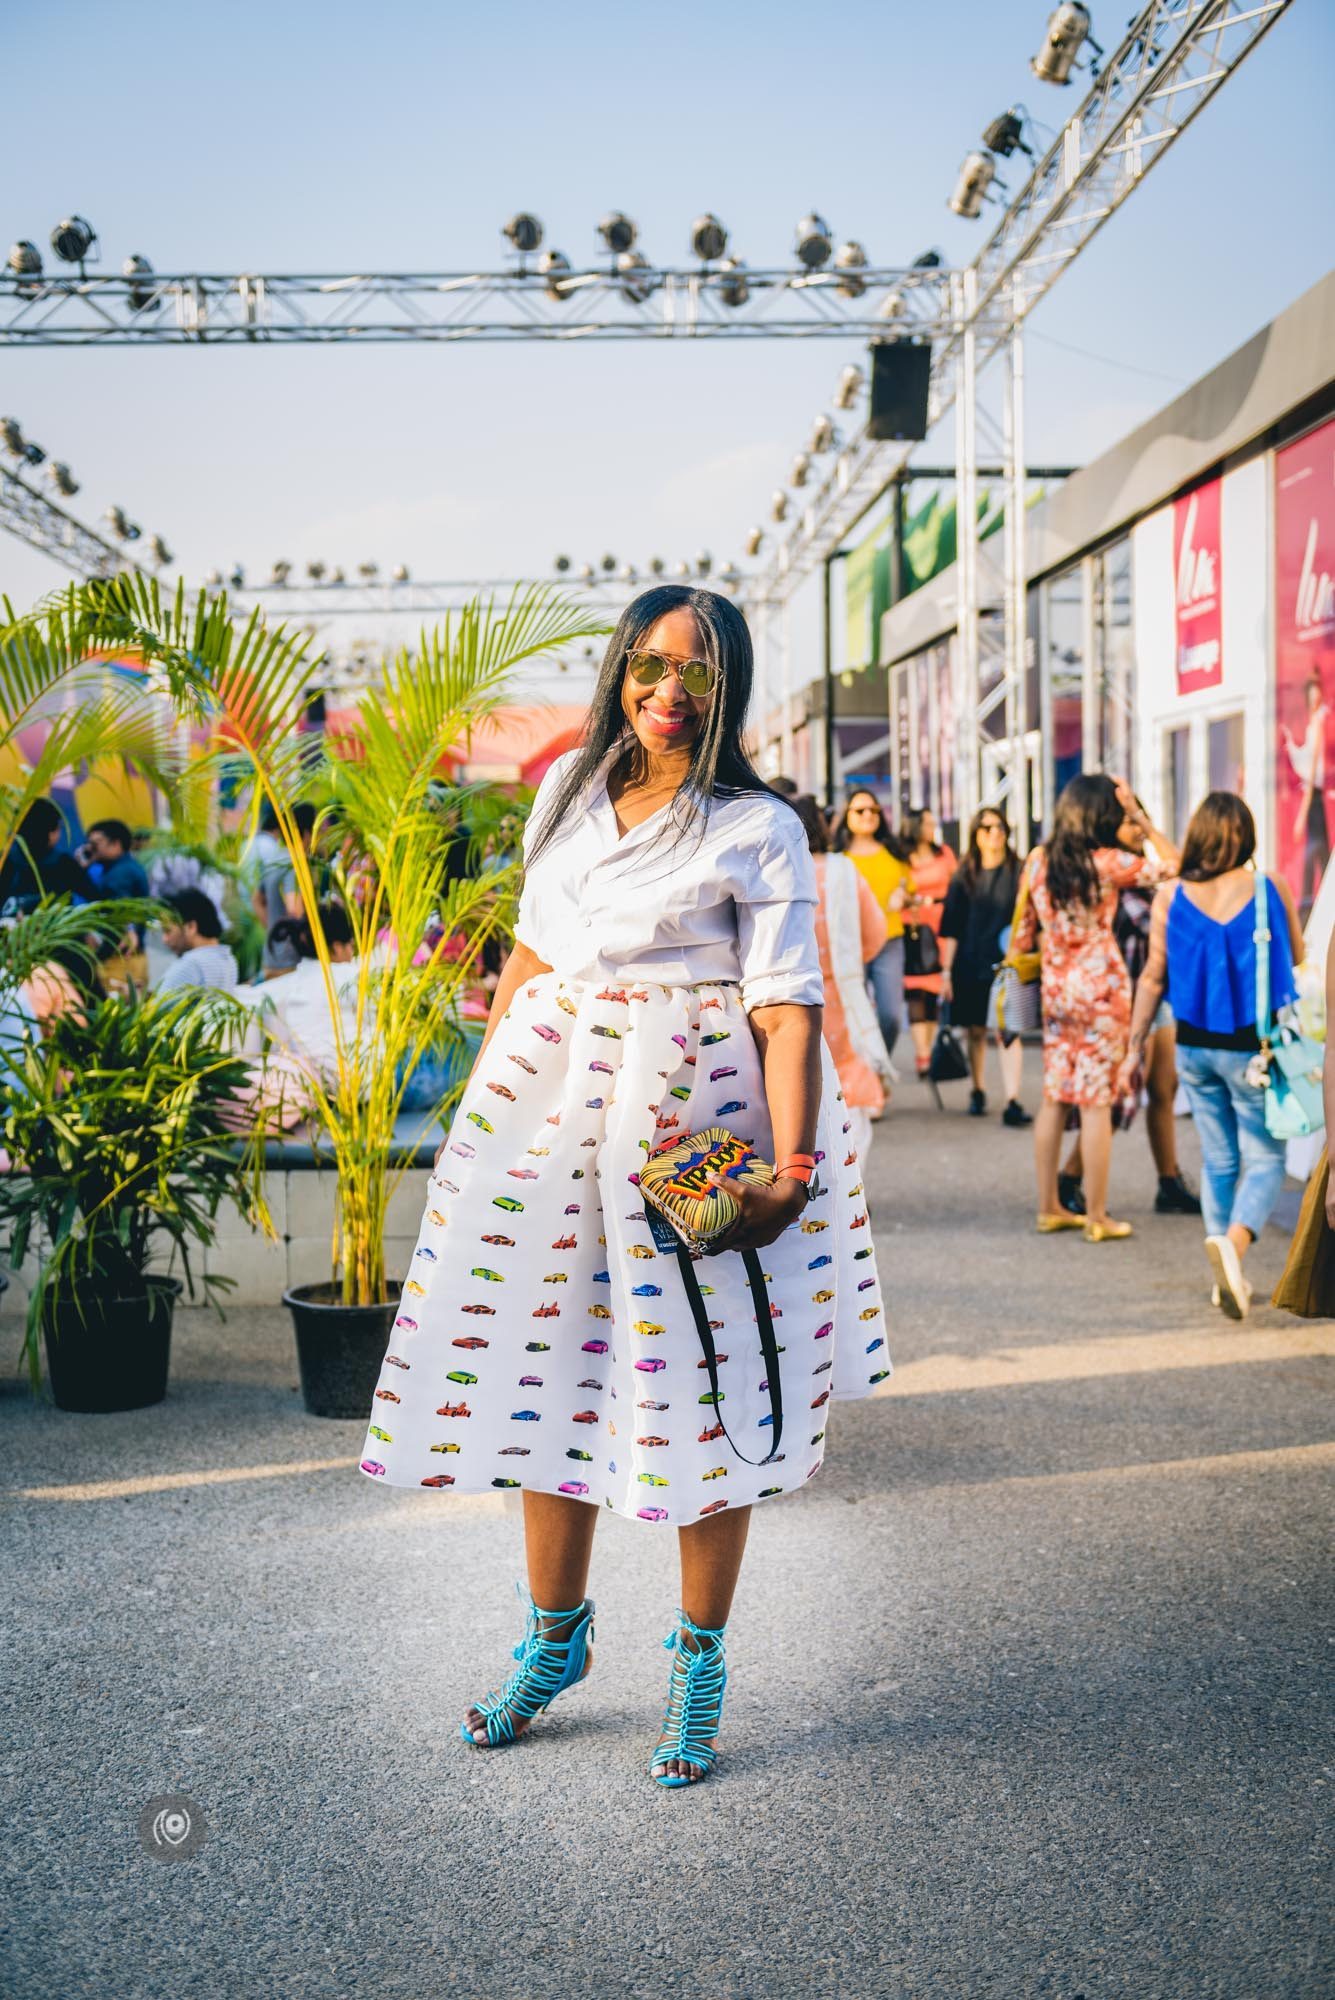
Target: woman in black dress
pixel 979 905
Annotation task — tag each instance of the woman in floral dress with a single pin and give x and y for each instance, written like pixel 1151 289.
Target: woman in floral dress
pixel 1075 881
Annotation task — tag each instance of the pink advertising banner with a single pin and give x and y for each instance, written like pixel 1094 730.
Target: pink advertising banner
pixel 1197 584
pixel 1305 659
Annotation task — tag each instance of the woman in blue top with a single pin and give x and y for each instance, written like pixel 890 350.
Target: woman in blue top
pixel 1203 953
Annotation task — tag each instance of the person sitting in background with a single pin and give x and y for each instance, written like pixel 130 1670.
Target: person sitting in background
pixel 202 959
pixel 36 867
pixel 850 930
pixel 114 869
pixel 295 1004
pixel 276 895
pixel 1203 954
pixel 933 864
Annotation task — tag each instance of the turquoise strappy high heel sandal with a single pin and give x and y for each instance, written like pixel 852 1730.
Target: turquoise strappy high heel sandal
pixel 547 1667
pixel 695 1703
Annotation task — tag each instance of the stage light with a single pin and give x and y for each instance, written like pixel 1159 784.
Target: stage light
pixel 237 579
pixel 797 472
pixel 586 572
pixel 657 566
pixel 555 268
pixel 1069 26
pixel 338 575
pixel 280 572
pixel 214 579
pixel 893 306
pixel 755 541
pixel 709 239
pixel 618 232
pixel 132 531
pixel 926 260
pixel 608 565
pixel 1004 134
pixel 814 242
pixel 399 573
pixel 626 573
pixel 849 387
pixel 25 259
pixel 778 504
pixel 633 287
pixel 33 453
pixel 524 232
pixel 11 436
pixel 823 436
pixel 159 551
pixel 561 565
pixel 976 177
pixel 682 569
pixel 62 478
pixel 116 521
pixel 735 290
pixel 704 562
pixel 140 296
pixel 850 259
pixel 315 571
pixel 72 239
pixel 368 571
pixel 727 573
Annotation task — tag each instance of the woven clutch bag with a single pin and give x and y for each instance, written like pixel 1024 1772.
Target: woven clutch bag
pixel 675 1180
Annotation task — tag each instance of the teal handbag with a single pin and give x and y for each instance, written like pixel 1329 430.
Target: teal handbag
pixel 1293 1061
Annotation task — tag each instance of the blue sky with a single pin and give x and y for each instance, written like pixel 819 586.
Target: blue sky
pixel 333 138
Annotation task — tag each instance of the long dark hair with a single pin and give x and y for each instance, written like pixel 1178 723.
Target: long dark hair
pixel 972 863
pixel 913 831
pixel 813 823
pixel 719 766
pixel 888 839
pixel 1221 835
pixel 1088 815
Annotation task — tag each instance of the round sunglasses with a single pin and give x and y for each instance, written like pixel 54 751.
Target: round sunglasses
pixel 698 677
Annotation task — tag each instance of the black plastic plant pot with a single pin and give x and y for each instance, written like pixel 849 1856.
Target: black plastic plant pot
pixel 340 1348
pixel 114 1355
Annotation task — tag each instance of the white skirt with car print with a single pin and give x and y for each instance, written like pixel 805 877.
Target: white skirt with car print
pixel 543 1342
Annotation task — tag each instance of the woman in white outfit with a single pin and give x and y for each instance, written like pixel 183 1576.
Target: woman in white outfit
pixel 664 979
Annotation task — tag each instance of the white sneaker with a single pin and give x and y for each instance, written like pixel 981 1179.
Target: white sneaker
pixel 1232 1293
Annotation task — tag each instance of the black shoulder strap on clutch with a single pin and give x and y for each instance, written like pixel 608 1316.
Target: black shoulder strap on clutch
pixel 769 1347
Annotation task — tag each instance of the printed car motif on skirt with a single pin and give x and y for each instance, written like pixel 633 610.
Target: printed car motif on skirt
pixel 532 1119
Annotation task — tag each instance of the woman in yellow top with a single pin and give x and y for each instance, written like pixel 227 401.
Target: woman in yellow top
pixel 865 837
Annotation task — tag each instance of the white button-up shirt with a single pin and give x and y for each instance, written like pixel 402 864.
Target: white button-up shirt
pixel 734 899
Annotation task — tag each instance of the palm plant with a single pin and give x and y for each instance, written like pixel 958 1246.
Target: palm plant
pixel 386 821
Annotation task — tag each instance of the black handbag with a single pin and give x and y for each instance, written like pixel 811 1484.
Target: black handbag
pixel 922 953
pixel 948 1062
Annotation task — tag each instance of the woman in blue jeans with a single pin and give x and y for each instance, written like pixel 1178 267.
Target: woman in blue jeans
pixel 1203 943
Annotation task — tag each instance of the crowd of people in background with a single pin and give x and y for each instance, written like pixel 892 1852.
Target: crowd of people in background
pixel 1145 956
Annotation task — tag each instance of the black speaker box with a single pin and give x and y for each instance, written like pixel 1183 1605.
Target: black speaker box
pixel 900 374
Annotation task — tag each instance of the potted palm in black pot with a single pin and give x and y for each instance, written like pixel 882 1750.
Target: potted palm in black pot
pixel 120 1125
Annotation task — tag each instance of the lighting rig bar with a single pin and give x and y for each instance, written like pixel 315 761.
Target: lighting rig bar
pixel 378 600
pixel 649 304
pixel 35 519
pixel 1175 56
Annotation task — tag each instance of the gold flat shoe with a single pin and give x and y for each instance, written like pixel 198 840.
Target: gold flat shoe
pixel 1107 1232
pixel 1048 1225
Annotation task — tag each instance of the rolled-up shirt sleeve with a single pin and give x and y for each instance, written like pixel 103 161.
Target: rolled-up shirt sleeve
pixel 775 893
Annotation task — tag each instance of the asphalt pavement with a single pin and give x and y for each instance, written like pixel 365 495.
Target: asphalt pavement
pixel 1030 1688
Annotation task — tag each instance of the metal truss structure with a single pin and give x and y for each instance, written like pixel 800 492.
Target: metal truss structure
pixel 1174 57
pixel 709 303
pixel 38 521
pixel 296 603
